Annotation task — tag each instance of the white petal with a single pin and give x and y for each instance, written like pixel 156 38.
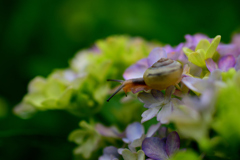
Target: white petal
pixel 149 114
pixel 164 113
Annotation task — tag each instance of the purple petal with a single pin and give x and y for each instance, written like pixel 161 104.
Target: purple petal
pixel 227 49
pixel 153 129
pixel 162 132
pixel 237 66
pixel 172 143
pixel 211 65
pixel 192 41
pixel 236 39
pixel 226 62
pixel 111 150
pixel 155 55
pixel 134 131
pixel 107 131
pixel 154 148
pixel 173 53
pixel 137 70
pixel 164 113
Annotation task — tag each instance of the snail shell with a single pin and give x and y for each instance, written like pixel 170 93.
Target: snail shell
pixel 162 74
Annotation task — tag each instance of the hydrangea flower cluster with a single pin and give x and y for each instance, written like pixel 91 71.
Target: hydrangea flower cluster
pixel 81 89
pixel 195 119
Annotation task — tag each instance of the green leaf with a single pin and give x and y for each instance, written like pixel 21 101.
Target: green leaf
pixel 203 44
pixel 212 48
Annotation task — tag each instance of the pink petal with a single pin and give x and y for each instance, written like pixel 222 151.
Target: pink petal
pixel 211 65
pixel 226 62
pixel 155 55
pixel 137 70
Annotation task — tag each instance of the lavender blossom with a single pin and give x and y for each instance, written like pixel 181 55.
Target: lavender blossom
pixel 135 134
pixel 109 153
pixel 108 131
pixel 224 64
pixel 200 85
pixel 158 104
pixel 192 41
pixel 137 70
pixel 161 149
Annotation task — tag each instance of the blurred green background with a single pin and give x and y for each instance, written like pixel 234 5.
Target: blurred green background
pixel 41 35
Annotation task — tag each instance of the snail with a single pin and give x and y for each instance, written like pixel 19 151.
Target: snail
pixel 162 74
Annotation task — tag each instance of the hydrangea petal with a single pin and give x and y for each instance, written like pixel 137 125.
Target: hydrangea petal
pixel 227 49
pixel 172 143
pixel 197 58
pixel 192 41
pixel 154 148
pixel 109 153
pixel 162 132
pixel 128 155
pixel 137 70
pixel 140 155
pixel 107 131
pixel 237 66
pixel 169 91
pixel 134 131
pixel 137 142
pixel 236 39
pixel 211 65
pixel 111 150
pixel 215 75
pixel 203 44
pixel 149 114
pixel 150 100
pixel 226 62
pixel 153 129
pixel 189 81
pixel 212 48
pixel 158 95
pixel 166 111
pixel 155 55
pixel 173 53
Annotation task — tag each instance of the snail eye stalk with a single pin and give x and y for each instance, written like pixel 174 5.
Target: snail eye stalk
pixel 116 92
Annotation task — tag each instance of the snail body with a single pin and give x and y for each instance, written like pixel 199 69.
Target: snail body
pixel 162 74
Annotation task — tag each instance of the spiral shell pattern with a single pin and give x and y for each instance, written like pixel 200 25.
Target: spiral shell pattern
pixel 162 74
